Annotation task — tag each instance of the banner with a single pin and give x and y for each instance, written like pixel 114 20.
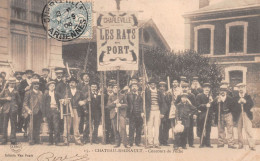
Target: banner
pixel 117 41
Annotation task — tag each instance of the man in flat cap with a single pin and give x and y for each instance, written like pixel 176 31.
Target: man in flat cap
pixel 204 101
pixel 51 112
pixel 135 113
pixel 244 117
pixel 165 122
pixel 118 108
pixel 25 86
pixel 155 111
pixel 184 109
pixel 32 105
pixel 223 107
pixel 11 100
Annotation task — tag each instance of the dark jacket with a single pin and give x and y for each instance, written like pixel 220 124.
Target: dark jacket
pixel 13 104
pixel 75 100
pixel 161 103
pixel 111 105
pixel 22 87
pixel 229 103
pixel 46 109
pixel 138 103
pixel 247 107
pixel 95 104
pixel 33 101
pixel 201 101
pixel 183 113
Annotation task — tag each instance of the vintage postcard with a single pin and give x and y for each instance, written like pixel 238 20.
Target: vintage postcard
pixel 125 80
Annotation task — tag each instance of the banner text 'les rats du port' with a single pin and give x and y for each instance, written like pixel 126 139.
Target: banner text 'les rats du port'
pixel 117 41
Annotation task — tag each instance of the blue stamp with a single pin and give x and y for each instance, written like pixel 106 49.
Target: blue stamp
pixel 68 20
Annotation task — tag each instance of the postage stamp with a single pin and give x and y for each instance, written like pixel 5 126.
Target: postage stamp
pixel 67 20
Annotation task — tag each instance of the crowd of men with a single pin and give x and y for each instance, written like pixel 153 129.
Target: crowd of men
pixel 67 104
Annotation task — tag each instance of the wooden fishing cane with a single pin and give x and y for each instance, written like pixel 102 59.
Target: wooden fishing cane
pixel 243 122
pixel 89 115
pixel 117 116
pixel 204 126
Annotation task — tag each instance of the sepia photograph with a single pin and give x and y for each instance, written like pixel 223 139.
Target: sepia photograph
pixel 126 80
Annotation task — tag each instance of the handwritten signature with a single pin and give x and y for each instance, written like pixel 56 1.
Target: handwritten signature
pixel 49 156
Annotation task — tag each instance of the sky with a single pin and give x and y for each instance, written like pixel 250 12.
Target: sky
pixel 167 15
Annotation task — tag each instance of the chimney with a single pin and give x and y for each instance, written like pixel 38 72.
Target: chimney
pixel 203 3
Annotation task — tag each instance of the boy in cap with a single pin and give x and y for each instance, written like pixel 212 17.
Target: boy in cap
pixel 155 111
pixel 223 108
pixel 118 106
pixel 204 102
pixel 32 105
pixel 191 99
pixel 244 118
pixel 184 110
pixel 51 112
pixel 195 86
pixel 135 113
pixel 12 100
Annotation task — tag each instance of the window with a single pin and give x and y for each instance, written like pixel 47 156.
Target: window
pixel 38 50
pixel 18 9
pixel 236 37
pixel 19 50
pixel 204 39
pixel 36 9
pixel 235 77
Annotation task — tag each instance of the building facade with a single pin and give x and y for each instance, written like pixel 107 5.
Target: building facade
pixel 228 33
pixel 23 41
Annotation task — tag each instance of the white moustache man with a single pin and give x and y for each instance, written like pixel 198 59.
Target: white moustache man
pixel 243 116
pixel 223 107
pixel 204 101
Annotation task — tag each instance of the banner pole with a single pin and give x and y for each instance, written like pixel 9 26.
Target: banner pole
pixel 103 108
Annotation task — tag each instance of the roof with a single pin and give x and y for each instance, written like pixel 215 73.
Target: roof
pixel 142 23
pixel 226 5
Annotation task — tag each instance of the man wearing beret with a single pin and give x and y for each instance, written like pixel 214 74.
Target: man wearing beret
pixel 51 112
pixel 11 100
pixel 204 101
pixel 184 109
pixel 135 113
pixel 118 106
pixel 165 122
pixel 33 102
pixel 244 118
pixel 223 106
pixel 155 111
